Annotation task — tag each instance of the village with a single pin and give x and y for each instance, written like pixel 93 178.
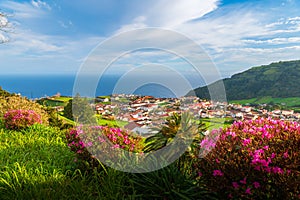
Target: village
pixel 144 112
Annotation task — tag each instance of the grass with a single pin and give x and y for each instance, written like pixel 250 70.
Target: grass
pixel 63 98
pixel 290 102
pixel 66 120
pixel 36 163
pixel 33 161
pixel 104 122
pixel 216 123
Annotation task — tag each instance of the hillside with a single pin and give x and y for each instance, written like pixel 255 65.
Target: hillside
pixel 4 93
pixel 277 80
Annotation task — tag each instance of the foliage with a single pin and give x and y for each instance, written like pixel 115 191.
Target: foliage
pixel 79 110
pixel 22 103
pixel 276 80
pixel 4 93
pixel 183 126
pixel 54 119
pixel 20 119
pixel 169 183
pixel 90 142
pixel 34 163
pixel 253 160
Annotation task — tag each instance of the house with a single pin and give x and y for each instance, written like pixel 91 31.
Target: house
pixel 132 125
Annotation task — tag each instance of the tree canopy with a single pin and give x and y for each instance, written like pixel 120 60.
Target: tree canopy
pixel 79 110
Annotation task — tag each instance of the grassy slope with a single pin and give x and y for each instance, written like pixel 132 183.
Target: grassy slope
pixel 216 123
pixel 103 122
pixel 37 164
pixel 280 79
pixel 289 102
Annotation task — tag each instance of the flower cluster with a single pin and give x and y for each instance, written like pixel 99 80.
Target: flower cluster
pixel 20 119
pixel 21 103
pixel 90 141
pixel 254 159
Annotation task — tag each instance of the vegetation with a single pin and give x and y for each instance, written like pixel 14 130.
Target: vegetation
pixel 79 110
pixel 281 103
pixel 182 126
pixel 216 123
pixel 278 80
pixel 111 123
pixel 20 119
pixel 256 159
pixel 21 103
pixel 4 93
pixel 253 160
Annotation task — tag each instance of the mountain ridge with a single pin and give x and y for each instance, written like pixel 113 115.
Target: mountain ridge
pixel 278 79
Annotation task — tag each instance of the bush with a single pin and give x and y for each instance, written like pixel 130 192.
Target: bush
pixel 86 141
pixel 22 103
pixel 255 159
pixel 20 119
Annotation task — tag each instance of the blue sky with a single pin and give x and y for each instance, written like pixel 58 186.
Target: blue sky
pixel 55 37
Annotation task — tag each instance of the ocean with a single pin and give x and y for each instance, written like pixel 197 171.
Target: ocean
pixel 38 86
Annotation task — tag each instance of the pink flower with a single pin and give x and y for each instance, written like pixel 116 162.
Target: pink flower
pixel 246 141
pixel 286 155
pixel 248 191
pixel 243 181
pixel 277 170
pixel 89 144
pixel 218 173
pixel 217 160
pixel 200 174
pixel 235 185
pixel 273 155
pixel 256 184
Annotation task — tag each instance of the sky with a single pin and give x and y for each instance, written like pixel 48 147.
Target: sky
pixel 57 36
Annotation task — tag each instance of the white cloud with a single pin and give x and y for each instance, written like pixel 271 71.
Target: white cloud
pixel 3 21
pixel 275 41
pixel 40 4
pixel 138 22
pixel 22 10
pixel 170 14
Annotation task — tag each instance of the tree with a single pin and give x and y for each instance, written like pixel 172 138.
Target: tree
pixel 79 110
pixel 177 124
pixel 4 27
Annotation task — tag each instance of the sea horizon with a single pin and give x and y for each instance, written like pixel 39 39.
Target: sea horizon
pixel 39 86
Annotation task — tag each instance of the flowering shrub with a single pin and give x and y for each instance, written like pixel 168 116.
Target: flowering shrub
pixel 87 141
pixel 22 103
pixel 255 159
pixel 20 119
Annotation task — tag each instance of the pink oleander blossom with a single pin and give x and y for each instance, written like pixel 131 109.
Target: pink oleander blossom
pixel 217 173
pixel 248 191
pixel 256 184
pixel 235 185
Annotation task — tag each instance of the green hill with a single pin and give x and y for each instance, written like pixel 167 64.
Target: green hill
pixel 277 80
pixel 4 93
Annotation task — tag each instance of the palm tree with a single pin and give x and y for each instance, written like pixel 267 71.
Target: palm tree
pixel 188 133
pixel 184 126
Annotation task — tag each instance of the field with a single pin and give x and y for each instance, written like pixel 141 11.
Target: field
pixel 216 123
pixel 57 101
pixel 291 102
pixel 105 122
